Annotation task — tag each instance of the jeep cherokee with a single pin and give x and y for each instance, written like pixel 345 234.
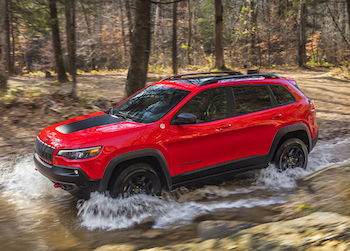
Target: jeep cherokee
pixel 181 129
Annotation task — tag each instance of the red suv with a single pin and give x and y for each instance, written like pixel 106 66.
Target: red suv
pixel 181 129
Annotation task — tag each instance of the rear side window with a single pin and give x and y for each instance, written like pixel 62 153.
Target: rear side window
pixel 251 98
pixel 283 96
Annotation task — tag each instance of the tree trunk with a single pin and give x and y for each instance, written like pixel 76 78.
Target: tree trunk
pixel 302 35
pixel 219 49
pixel 348 10
pixel 8 43
pixel 130 22
pixel 3 75
pixel 70 30
pixel 174 42
pixel 120 6
pixel 12 57
pixel 346 40
pixel 56 42
pixel 253 27
pixel 190 33
pixel 137 74
pixel 92 47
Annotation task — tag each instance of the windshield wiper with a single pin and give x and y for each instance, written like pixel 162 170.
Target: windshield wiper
pixel 123 116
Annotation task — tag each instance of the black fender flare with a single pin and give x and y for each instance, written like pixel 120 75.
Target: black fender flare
pixel 283 131
pixel 133 155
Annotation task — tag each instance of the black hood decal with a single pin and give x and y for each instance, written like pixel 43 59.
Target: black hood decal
pixel 103 119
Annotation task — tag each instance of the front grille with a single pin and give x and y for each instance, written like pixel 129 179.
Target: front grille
pixel 43 150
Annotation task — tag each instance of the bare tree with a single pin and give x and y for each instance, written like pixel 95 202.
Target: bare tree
pixel 219 48
pixel 174 40
pixel 130 21
pixel 92 47
pixel 56 42
pixel 348 10
pixel 70 30
pixel 137 74
pixel 190 32
pixel 3 47
pixel 253 28
pixel 302 34
pixel 120 7
pixel 8 44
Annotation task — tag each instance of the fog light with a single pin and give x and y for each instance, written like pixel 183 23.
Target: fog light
pixel 76 172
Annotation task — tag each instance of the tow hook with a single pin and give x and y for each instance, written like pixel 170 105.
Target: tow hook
pixel 57 185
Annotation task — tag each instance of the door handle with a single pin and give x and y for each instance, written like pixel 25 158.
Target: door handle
pixel 276 116
pixel 222 127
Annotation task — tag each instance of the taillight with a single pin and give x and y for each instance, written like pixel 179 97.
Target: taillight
pixel 312 105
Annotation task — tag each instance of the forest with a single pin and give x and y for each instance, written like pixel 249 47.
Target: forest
pixel 66 37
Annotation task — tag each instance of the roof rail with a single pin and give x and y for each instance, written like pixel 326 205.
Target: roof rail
pixel 252 76
pixel 203 74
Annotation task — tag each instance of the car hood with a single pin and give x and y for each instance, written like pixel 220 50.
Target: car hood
pixel 80 131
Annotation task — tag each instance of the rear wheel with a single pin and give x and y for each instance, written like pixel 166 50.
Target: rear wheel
pixel 291 154
pixel 138 178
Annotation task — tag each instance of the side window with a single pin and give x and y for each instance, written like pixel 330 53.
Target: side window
pixel 208 105
pixel 251 98
pixel 283 96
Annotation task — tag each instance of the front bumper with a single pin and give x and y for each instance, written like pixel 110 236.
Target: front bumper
pixel 71 179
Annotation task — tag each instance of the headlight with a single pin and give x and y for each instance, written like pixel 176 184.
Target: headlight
pixel 80 153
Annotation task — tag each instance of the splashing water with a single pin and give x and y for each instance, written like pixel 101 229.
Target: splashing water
pixel 19 179
pixel 106 213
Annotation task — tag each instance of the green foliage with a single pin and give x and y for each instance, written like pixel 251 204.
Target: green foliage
pixel 306 209
pixel 30 95
pixel 342 72
pixel 186 47
pixel 34 16
pixel 156 68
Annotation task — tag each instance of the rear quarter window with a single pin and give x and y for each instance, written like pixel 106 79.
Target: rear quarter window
pixel 282 95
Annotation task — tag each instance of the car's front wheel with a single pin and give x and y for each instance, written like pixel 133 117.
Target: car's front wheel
pixel 291 154
pixel 138 178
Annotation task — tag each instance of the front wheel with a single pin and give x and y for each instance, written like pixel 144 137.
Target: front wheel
pixel 291 154
pixel 138 178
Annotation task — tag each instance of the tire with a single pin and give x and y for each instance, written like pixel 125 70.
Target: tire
pixel 291 154
pixel 138 178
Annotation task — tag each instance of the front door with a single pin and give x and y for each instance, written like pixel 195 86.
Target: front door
pixel 207 143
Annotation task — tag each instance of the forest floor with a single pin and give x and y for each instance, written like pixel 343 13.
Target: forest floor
pixel 36 102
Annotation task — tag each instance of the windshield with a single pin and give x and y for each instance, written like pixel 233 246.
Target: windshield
pixel 150 104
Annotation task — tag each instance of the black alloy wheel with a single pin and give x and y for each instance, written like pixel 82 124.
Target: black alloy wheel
pixel 138 178
pixel 291 154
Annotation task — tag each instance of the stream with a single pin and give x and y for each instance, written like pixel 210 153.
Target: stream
pixel 36 216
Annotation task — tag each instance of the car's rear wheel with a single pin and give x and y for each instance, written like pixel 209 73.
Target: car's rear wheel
pixel 291 154
pixel 138 178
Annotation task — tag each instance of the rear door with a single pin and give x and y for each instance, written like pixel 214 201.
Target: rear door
pixel 256 122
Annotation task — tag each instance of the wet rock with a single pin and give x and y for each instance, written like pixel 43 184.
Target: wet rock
pixel 117 247
pixel 201 217
pixel 151 234
pixel 146 223
pixel 271 218
pixel 221 229
pixel 327 189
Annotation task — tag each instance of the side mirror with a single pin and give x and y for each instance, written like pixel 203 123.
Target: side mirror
pixel 185 118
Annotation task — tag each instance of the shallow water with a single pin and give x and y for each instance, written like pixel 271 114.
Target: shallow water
pixel 36 216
